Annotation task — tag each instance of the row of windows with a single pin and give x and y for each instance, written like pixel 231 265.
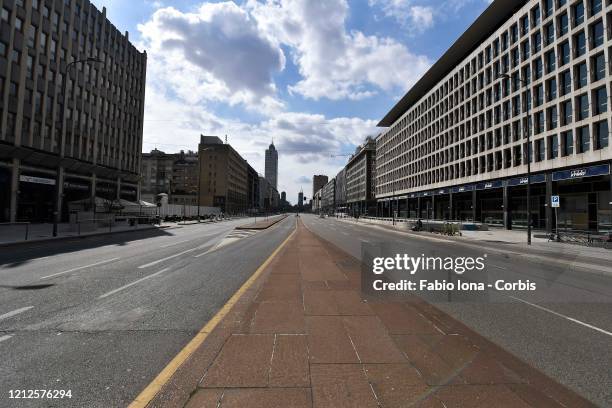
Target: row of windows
pixel 531 59
pixel 551 147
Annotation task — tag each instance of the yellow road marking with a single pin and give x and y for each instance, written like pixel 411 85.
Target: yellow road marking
pixel 147 395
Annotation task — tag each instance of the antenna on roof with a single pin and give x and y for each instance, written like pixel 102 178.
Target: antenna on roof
pixel 225 139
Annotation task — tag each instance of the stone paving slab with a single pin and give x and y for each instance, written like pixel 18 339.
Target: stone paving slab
pixel 304 336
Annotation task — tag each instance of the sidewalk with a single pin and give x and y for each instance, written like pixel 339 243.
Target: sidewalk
pixel 16 234
pixel 302 336
pixel 514 241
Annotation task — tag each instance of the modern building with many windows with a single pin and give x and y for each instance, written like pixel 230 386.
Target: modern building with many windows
pixel 66 136
pixel 360 172
pixel 456 146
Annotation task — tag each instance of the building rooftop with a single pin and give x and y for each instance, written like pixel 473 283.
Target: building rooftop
pixel 489 21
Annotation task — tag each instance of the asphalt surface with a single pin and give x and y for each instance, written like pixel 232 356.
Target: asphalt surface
pixel 564 328
pixel 102 316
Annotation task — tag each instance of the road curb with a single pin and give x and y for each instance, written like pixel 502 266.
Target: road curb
pixel 71 237
pixel 255 227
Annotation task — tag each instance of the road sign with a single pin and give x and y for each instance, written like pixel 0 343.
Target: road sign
pixel 554 201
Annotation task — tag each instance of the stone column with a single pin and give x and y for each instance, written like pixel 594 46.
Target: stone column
pixel 14 191
pixel 507 218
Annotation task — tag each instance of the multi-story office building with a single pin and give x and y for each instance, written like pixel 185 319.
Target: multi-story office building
pixel 360 173
pixel 66 136
pixel 318 181
pixel 271 165
pixel 224 176
pixel 340 198
pixel 269 198
pixel 175 174
pixel 456 144
pixel 316 201
pixel 328 196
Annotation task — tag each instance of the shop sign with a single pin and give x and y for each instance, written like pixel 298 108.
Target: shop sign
pixel 462 189
pixel 37 180
pixel 600 170
pixel 489 185
pixel 521 181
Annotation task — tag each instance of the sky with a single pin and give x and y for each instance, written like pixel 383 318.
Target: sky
pixel 314 76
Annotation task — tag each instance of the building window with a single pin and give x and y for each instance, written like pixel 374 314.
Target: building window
pixel 550 33
pixel 597 34
pixel 567 143
pixel 578 13
pixel 583 141
pixel 552 117
pixel 552 89
pixel 595 7
pixel 5 14
pixel 580 44
pixel 601 100
pixel 599 67
pixel 540 150
pixel 2 49
pixel 566 83
pixel 548 8
pixel 581 75
pixel 550 61
pixel 564 51
pixel 601 134
pixel 537 42
pixel 566 108
pixel 18 23
pixel 553 147
pixel 563 24
pixel 582 103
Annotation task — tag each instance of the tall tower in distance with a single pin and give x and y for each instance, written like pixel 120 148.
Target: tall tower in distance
pixel 272 165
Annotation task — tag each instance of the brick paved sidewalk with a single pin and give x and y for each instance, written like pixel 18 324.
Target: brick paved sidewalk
pixel 303 337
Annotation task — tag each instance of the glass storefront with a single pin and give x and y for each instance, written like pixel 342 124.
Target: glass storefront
pixel 5 194
pixel 492 207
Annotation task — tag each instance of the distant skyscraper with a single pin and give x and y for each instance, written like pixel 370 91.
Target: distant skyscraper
pixel 317 183
pixel 272 165
pixel 301 199
pixel 283 197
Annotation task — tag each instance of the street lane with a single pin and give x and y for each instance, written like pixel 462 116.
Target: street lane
pixel 106 331
pixel 562 328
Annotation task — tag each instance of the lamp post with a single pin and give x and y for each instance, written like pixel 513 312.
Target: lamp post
pixel 58 189
pixel 529 150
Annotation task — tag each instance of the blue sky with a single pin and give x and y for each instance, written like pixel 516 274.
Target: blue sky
pixel 313 75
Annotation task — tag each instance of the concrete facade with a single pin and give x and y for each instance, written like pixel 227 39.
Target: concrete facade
pixel 318 181
pixel 328 197
pixel 50 156
pixel 223 176
pixel 360 173
pixel 456 144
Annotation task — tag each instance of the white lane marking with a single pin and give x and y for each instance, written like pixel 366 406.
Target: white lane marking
pixel 571 319
pixel 345 233
pixel 80 267
pixel 8 336
pixel 168 257
pixel 112 292
pixel 15 312
pixel 498 267
pixel 174 243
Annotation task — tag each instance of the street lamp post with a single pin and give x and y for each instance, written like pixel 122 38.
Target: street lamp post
pixel 56 207
pixel 529 151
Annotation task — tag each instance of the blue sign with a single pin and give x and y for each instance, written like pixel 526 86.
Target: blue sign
pixel 462 189
pixel 519 181
pixel 489 185
pixel 600 170
pixel 554 201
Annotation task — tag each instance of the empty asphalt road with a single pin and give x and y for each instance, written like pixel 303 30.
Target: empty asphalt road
pixel 102 316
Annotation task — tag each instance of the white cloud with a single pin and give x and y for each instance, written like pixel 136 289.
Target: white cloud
pixel 333 62
pixel 216 53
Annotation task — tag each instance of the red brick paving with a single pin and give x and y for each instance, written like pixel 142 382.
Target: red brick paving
pixel 303 336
